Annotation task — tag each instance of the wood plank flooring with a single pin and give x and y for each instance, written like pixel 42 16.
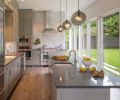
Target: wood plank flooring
pixel 36 84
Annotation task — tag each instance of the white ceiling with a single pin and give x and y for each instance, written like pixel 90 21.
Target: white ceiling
pixel 54 5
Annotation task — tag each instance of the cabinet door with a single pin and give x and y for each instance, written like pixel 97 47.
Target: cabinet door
pixel 9 3
pixel 21 28
pixel 14 71
pixel 25 22
pixel 69 96
pixel 11 72
pixel 6 77
pixel 2 96
pixel 18 66
pixel 27 27
pixel 8 80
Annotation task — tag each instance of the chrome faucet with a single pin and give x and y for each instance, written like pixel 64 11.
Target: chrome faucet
pixel 75 60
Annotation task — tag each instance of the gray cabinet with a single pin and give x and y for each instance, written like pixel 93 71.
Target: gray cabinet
pixel 8 79
pixel 11 76
pixel 25 22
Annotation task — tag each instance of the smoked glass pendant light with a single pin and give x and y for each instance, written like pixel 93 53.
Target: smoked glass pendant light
pixel 60 28
pixel 66 24
pixel 78 17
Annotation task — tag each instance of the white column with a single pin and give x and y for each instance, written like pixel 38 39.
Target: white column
pixel 70 39
pixel 80 41
pixel 88 39
pixel 75 38
pixel 100 53
pixel 83 41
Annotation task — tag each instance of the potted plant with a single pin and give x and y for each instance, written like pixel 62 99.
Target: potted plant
pixel 37 42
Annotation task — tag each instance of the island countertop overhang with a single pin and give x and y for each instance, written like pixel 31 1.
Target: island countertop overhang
pixel 65 76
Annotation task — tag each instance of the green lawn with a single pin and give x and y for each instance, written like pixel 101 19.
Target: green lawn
pixel 111 56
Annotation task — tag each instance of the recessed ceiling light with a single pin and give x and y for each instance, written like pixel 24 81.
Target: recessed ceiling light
pixel 37 8
pixel 22 0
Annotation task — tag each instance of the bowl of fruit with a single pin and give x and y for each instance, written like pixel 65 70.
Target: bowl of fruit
pixel 60 58
pixel 86 61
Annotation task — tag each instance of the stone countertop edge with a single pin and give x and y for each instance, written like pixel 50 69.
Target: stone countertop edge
pixel 87 87
pixel 65 85
pixel 17 54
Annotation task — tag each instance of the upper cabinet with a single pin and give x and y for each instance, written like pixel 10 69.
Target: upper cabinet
pixel 11 20
pixel 25 22
pixel 8 3
pixel 12 5
pixel 1 2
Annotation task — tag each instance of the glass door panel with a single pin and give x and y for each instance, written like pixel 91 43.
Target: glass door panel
pixel 111 41
pixel 93 41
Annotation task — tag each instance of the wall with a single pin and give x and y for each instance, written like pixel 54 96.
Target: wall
pixel 10 47
pixel 50 39
pixel 38 24
pixel 100 7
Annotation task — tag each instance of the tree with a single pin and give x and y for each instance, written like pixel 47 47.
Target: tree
pixel 93 28
pixel 111 25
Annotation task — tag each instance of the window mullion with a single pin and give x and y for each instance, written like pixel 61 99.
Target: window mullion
pixel 75 38
pixel 80 41
pixel 70 39
pixel 88 39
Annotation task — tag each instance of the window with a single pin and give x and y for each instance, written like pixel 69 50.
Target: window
pixel 84 29
pixel 77 28
pixel 67 39
pixel 77 39
pixel 111 41
pixel 93 41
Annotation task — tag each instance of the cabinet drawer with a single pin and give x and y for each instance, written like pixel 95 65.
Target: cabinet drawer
pixel 69 96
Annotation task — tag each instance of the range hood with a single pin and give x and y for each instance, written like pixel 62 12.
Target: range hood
pixel 49 20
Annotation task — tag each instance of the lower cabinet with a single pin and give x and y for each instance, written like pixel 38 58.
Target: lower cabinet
pixel 2 96
pixel 11 76
pixel 83 94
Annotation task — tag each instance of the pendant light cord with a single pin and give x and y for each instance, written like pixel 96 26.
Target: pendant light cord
pixel 60 12
pixel 66 9
pixel 78 9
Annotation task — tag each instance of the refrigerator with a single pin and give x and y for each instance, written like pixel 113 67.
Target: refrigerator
pixel 1 52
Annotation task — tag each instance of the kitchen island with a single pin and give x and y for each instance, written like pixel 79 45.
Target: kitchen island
pixel 72 85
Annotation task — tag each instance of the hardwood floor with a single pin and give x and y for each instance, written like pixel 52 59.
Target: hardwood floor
pixel 36 84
